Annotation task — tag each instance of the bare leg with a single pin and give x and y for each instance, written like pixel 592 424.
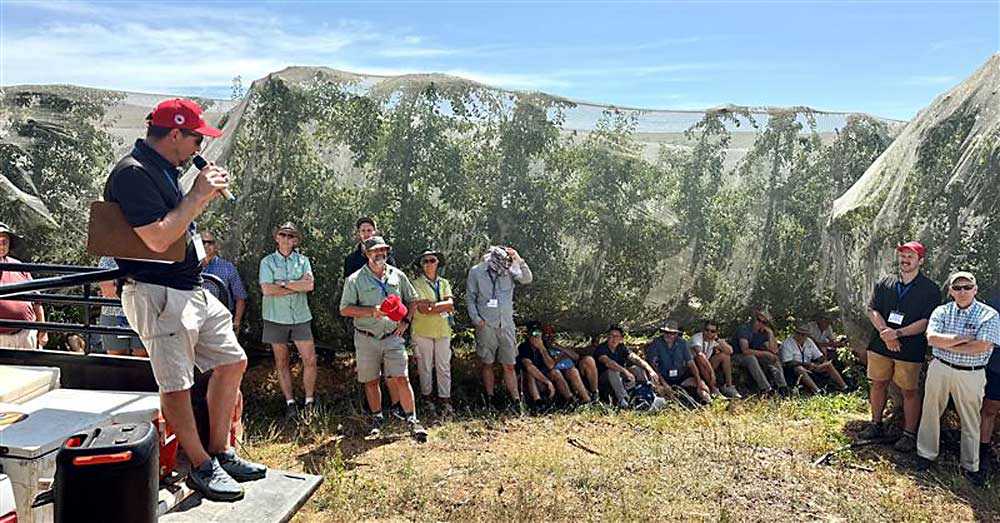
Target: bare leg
pixel 486 371
pixel 307 351
pixel 531 384
pixel 990 410
pixel 706 372
pixel 831 371
pixel 573 376
pixel 223 388
pixel 806 379
pixel 281 364
pixel 510 380
pixel 911 410
pixel 879 395
pixel 405 393
pixel 393 391
pixel 588 367
pixel 373 393
pixel 177 411
pixel 561 386
pixel 725 362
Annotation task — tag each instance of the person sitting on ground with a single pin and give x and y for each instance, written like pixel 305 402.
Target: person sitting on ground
pixel 431 329
pixel 114 316
pixel 532 366
pixel 802 360
pixel 962 333
pixel 18 310
pixel 711 354
pixel 585 366
pixel 670 357
pixel 286 278
pixel 554 362
pixel 618 368
pixel 821 333
pixel 754 347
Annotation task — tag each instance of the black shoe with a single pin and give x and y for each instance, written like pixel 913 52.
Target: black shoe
pixel 986 457
pixel 784 392
pixel 213 482
pixel 377 422
pixel 291 412
pixel 922 464
pixel 397 412
pixel 872 431
pixel 418 431
pixel 977 478
pixel 238 468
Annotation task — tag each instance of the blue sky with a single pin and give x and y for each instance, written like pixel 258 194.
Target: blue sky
pixel 889 58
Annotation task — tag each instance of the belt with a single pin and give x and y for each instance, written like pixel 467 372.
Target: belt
pixel 370 335
pixel 960 367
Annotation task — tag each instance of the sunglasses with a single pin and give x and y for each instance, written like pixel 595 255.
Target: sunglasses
pixel 286 235
pixel 763 321
pixel 536 333
pixel 426 261
pixel 711 331
pixel 208 242
pixel 198 138
pixel 967 287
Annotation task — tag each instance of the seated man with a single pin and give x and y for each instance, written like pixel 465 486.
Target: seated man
pixel 754 347
pixel 801 358
pixel 710 354
pixel 618 366
pixel 555 362
pixel 670 358
pixel 821 333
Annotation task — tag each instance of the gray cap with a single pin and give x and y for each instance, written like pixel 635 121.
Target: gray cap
pixel 376 242
pixel 670 326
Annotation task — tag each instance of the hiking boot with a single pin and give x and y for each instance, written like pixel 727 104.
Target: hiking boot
pixel 977 478
pixel 291 412
pixel 730 392
pixel 238 468
pixel 397 412
pixel 378 421
pixel 872 431
pixel 922 464
pixel 906 443
pixel 213 483
pixel 446 410
pixel 986 457
pixel 418 431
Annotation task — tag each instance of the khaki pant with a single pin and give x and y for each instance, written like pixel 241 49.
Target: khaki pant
pixel 22 339
pixel 966 389
pixel 434 357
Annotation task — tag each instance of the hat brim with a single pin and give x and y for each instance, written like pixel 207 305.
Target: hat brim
pixel 424 254
pixel 669 330
pixel 208 131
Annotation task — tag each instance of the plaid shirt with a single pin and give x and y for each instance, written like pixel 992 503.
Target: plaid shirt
pixel 227 272
pixel 978 320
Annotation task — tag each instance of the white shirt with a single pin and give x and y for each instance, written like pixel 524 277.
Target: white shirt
pixel 790 351
pixel 697 344
pixel 821 336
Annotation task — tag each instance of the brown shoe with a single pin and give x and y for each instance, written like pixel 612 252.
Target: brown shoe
pixel 906 443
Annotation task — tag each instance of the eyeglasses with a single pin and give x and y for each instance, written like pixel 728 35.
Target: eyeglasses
pixel 763 321
pixel 285 235
pixel 426 261
pixel 967 287
pixel 208 242
pixel 711 331
pixel 198 138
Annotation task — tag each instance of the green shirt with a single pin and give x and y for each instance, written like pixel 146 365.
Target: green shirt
pixel 293 308
pixel 431 325
pixel 364 289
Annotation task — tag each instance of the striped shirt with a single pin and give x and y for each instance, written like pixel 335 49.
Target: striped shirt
pixel 978 320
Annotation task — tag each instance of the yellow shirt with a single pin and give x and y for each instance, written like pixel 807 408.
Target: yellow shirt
pixel 431 325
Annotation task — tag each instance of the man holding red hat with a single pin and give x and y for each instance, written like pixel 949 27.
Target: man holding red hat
pixel 374 296
pixel 899 310
pixel 180 323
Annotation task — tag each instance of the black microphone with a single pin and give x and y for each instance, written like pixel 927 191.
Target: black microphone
pixel 200 163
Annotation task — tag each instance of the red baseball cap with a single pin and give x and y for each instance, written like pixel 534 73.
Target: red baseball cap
pixel 914 246
pixel 182 114
pixel 394 307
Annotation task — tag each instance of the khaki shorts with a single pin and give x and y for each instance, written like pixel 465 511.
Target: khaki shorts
pixel 495 344
pixel 905 374
pixel 375 357
pixel 181 330
pixel 22 339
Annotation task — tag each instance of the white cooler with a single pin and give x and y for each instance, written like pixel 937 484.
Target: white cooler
pixel 19 384
pixel 53 417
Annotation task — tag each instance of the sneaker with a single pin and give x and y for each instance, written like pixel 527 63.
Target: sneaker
pixel 238 468
pixel 397 412
pixel 213 483
pixel 923 464
pixel 872 431
pixel 730 392
pixel 906 443
pixel 977 478
pixel 418 431
pixel 377 422
pixel 291 412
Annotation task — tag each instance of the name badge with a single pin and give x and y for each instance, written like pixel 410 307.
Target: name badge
pixel 896 318
pixel 493 303
pixel 672 373
pixel 199 247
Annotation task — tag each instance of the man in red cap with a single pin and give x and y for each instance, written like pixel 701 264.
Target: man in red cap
pixel 373 296
pixel 181 324
pixel 899 310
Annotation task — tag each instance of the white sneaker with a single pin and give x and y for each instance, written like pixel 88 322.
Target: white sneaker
pixel 730 392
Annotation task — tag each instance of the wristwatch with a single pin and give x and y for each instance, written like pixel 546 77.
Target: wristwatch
pixel 284 284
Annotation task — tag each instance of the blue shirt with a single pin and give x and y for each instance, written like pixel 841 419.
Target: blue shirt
pixel 619 356
pixel 755 340
pixel 670 361
pixel 994 301
pixel 978 320
pixel 226 271
pixel 291 309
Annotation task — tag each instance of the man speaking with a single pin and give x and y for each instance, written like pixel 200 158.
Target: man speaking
pixel 181 324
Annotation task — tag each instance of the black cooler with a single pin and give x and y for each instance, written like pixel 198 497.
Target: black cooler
pixel 110 474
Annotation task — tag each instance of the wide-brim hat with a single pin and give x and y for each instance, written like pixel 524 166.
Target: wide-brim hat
pixel 802 328
pixel 670 326
pixel 375 242
pixel 288 227
pixel 14 238
pixel 420 257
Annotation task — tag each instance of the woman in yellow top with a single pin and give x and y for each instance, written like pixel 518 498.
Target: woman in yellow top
pixel 431 329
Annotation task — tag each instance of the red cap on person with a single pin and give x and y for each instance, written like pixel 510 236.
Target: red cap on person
pixel 914 246
pixel 182 114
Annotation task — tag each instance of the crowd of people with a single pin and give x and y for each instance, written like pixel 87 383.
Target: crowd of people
pixel 180 326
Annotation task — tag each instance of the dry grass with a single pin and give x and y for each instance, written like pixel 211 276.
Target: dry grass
pixel 742 461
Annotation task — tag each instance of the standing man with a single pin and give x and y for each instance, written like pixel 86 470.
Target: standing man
pixel 374 297
pixel 217 266
pixel 899 309
pixel 489 297
pixel 366 227
pixel 962 334
pixel 18 310
pixel 670 357
pixel 756 348
pixel 991 401
pixel 710 354
pixel 181 324
pixel 285 278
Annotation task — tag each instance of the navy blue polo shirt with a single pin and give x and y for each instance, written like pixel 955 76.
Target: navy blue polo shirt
pixel 755 340
pixel 526 352
pixel 994 301
pixel 146 193
pixel 619 356
pixel 670 361
pixel 915 301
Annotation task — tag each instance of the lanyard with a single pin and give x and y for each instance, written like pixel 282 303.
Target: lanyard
pixel 383 286
pixel 493 279
pixel 902 290
pixel 436 287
